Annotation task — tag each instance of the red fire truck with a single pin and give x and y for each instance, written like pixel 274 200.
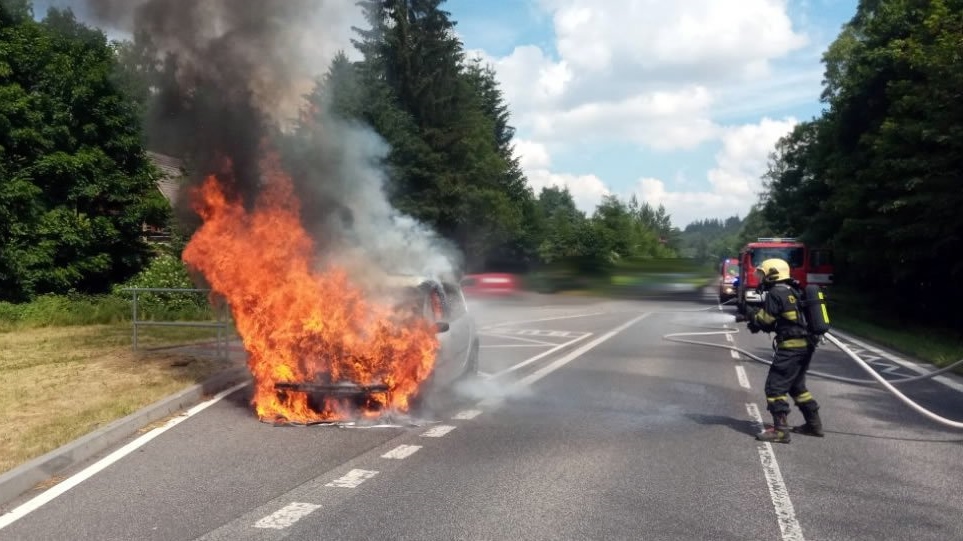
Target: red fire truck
pixel 807 265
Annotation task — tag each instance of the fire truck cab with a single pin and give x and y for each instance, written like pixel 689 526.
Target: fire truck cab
pixel 807 265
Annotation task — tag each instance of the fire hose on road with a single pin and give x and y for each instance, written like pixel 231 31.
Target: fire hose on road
pixel 877 378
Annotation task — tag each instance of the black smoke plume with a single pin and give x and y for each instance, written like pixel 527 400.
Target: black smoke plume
pixel 235 75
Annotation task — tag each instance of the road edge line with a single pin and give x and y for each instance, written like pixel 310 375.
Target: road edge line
pixel 21 479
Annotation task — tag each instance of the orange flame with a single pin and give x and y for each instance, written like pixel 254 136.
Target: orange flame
pixel 298 324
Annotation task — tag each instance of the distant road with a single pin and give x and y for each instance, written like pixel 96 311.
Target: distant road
pixel 586 425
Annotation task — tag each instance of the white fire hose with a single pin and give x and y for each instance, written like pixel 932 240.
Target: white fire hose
pixel 888 385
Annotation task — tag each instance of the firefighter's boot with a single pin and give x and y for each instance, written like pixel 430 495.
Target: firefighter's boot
pixel 813 425
pixel 779 432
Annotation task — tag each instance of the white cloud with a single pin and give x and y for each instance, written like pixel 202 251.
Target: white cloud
pixel 650 72
pixel 658 120
pixel 662 76
pixel 735 180
pixel 587 190
pixel 710 36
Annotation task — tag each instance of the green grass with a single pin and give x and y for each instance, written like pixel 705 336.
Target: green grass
pixel 60 383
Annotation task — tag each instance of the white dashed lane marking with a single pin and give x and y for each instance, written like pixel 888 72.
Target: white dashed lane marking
pixel 734 353
pixel 286 516
pixel 438 431
pixel 402 451
pixel 743 378
pixel 467 414
pixel 352 479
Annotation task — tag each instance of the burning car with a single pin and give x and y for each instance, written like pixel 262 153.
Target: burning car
pixel 327 339
pixel 441 304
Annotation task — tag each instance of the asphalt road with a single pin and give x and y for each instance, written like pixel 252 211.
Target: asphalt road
pixel 586 424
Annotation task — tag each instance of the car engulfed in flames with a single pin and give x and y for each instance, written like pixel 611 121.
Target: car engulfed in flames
pixel 321 348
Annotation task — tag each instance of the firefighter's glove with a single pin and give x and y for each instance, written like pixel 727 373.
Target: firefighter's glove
pixel 751 322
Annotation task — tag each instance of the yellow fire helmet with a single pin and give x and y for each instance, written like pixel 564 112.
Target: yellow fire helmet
pixel 773 270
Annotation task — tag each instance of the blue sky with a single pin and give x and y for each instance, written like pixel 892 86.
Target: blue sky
pixel 739 62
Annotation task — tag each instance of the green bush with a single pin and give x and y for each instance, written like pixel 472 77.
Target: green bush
pixel 164 271
pixel 169 272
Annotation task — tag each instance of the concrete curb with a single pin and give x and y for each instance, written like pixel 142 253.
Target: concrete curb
pixel 23 478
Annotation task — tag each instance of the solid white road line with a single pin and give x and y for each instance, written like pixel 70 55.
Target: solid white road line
pixel 402 451
pixel 467 414
pixel 60 488
pixel 438 431
pixel 352 479
pixel 554 318
pixel 503 346
pixel 785 514
pixel 541 355
pixel 286 516
pixel 517 338
pixel 548 369
pixel 741 375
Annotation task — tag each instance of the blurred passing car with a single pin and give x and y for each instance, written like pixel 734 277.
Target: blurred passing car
pixel 490 284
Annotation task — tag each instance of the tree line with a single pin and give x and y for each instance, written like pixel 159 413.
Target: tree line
pixel 77 187
pixel 877 176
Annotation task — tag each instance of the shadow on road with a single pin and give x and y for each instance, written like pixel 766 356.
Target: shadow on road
pixel 743 426
pixel 891 438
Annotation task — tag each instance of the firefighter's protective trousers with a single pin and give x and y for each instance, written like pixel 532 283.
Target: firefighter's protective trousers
pixel 793 351
pixel 787 378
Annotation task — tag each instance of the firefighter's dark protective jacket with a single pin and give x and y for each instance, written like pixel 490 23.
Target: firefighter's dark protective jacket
pixel 780 313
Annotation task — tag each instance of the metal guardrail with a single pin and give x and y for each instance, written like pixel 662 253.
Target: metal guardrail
pixel 221 324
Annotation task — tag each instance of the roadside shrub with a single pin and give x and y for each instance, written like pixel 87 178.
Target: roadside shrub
pixel 169 272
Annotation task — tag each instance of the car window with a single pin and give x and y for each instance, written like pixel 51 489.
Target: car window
pixel 456 303
pixel 818 258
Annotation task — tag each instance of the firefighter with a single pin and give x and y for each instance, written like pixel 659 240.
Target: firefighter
pixel 794 347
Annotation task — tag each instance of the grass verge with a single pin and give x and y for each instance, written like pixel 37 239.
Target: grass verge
pixel 60 383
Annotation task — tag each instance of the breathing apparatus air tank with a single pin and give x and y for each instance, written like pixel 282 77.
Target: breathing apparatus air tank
pixel 817 315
